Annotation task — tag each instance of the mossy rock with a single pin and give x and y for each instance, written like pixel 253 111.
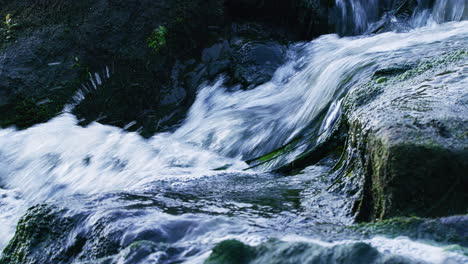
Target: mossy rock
pixel 278 252
pixel 231 252
pixel 407 143
pixel 40 225
pixel 447 231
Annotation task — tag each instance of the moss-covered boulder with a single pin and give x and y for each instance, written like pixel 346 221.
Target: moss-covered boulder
pixel 407 139
pixel 35 232
pixel 48 233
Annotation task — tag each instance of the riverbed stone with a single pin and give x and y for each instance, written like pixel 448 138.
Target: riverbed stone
pixel 276 252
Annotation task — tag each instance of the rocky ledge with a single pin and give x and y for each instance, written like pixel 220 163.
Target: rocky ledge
pixel 407 139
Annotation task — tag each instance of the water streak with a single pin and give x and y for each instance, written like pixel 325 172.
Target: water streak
pixel 251 123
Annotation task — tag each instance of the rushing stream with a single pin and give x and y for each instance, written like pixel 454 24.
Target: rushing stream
pixel 168 188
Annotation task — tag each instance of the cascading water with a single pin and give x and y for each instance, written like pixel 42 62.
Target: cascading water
pixel 358 16
pixel 97 169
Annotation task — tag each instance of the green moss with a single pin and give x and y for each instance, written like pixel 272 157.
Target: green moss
pixel 434 231
pixel 381 80
pixel 276 153
pixel 363 95
pixel 7 31
pixel 9 28
pixel 393 226
pixel 231 252
pixel 38 226
pixel 222 168
pixel 430 64
pixel 157 39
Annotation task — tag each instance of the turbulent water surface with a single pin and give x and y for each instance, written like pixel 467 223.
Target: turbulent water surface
pixel 169 188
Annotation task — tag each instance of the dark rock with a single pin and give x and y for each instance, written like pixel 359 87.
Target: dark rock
pixel 256 62
pixel 51 234
pixel 231 252
pixel 214 52
pixel 60 44
pixel 34 233
pixel 248 57
pixel 307 18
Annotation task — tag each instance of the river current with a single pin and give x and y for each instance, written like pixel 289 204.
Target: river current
pixel 170 188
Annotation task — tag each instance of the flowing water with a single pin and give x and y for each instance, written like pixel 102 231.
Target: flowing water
pixel 358 16
pixel 169 188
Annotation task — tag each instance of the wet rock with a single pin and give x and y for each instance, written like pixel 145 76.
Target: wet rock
pixel 275 251
pixel 214 52
pixel 247 57
pixel 231 252
pixel 31 244
pixel 52 234
pixel 398 18
pixel 138 227
pixel 446 230
pixel 256 62
pixel 407 140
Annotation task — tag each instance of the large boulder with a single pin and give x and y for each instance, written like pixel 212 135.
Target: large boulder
pixel 407 139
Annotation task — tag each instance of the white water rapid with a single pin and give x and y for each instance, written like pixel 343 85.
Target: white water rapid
pixel 59 159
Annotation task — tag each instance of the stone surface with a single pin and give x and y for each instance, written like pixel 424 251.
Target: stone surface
pixel 59 45
pixel 408 139
pixel 274 251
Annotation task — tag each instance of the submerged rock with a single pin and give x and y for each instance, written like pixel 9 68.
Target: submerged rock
pixel 51 234
pixel 231 252
pixel 446 230
pixel 143 228
pixel 274 251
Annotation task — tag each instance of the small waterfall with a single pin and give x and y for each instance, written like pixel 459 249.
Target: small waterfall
pixel 247 124
pixel 54 161
pixel 450 10
pixel 357 16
